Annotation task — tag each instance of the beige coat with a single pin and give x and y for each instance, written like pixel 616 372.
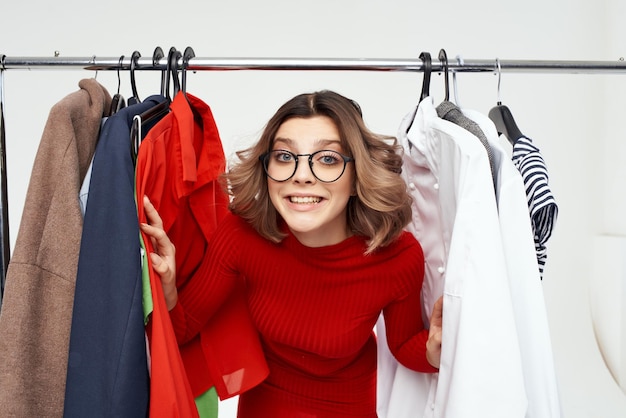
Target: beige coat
pixel 36 314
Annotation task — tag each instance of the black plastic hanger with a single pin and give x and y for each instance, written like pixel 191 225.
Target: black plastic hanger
pixel 443 57
pixel 172 73
pixel 187 55
pixel 164 106
pixel 117 101
pixel 133 64
pixel 503 118
pixel 156 111
pixel 156 57
pixel 428 69
pixel 505 123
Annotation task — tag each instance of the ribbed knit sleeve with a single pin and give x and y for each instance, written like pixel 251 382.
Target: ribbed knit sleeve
pixel 407 340
pixel 208 288
pixel 406 335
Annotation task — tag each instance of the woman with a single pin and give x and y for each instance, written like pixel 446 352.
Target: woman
pixel 317 238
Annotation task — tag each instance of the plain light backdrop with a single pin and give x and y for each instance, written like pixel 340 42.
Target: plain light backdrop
pixel 575 119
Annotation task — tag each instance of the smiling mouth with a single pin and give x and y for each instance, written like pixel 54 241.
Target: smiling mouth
pixel 305 200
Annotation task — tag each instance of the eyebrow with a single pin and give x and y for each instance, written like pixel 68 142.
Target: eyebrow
pixel 324 142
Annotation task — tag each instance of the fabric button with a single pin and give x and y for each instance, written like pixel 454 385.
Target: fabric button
pixel 436 186
pixel 412 186
pixel 441 269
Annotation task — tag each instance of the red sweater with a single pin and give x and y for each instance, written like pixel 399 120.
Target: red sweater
pixel 315 309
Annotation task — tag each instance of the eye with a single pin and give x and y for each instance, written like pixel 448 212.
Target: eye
pixel 329 157
pixel 283 156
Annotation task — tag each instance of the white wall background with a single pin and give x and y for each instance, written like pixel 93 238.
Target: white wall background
pixel 576 119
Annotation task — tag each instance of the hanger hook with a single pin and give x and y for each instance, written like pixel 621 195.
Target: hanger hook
pixel 119 66
pixel 133 65
pixel 460 63
pixel 443 57
pixel 177 55
pixel 93 61
pixel 187 55
pixel 156 57
pixel 427 66
pixel 172 71
pixel 2 58
pixel 499 70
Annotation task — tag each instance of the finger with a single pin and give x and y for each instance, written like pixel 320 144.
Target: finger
pixel 437 336
pixel 158 264
pixel 152 214
pixel 439 303
pixel 160 241
pixel 436 317
pixel 167 274
pixel 434 330
pixel 162 268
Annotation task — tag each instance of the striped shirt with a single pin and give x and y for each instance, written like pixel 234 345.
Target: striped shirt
pixel 541 203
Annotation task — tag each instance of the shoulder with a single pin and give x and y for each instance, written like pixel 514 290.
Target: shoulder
pixel 233 228
pixel 401 257
pixel 229 239
pixel 404 256
pixel 405 263
pixel 406 244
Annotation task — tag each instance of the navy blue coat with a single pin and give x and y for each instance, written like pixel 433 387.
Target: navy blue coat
pixel 107 373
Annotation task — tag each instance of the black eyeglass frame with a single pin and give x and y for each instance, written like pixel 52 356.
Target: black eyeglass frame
pixel 264 161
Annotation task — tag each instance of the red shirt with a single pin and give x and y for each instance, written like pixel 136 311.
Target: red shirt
pixel 315 309
pixel 177 168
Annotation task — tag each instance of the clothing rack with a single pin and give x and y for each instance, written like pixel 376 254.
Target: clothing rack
pixel 189 62
pixel 457 64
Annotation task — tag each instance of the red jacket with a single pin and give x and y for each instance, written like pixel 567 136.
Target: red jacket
pixel 177 168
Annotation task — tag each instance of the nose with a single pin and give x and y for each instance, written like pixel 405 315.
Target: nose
pixel 303 172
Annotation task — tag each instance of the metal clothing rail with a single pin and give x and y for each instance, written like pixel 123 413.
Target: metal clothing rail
pixel 160 62
pixel 458 65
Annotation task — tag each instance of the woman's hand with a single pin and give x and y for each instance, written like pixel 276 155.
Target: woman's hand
pixel 433 344
pixel 164 256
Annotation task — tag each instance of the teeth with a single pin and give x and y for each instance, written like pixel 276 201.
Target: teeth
pixel 308 199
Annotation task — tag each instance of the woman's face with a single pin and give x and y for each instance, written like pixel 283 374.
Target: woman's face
pixel 315 211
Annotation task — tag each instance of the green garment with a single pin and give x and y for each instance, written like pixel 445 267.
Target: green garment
pixel 207 404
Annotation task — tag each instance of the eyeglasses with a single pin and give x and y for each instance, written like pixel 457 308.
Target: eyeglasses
pixel 326 165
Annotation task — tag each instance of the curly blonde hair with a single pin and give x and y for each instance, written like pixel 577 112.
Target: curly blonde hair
pixel 381 207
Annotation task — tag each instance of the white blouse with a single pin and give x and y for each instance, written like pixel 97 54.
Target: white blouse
pixel 455 218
